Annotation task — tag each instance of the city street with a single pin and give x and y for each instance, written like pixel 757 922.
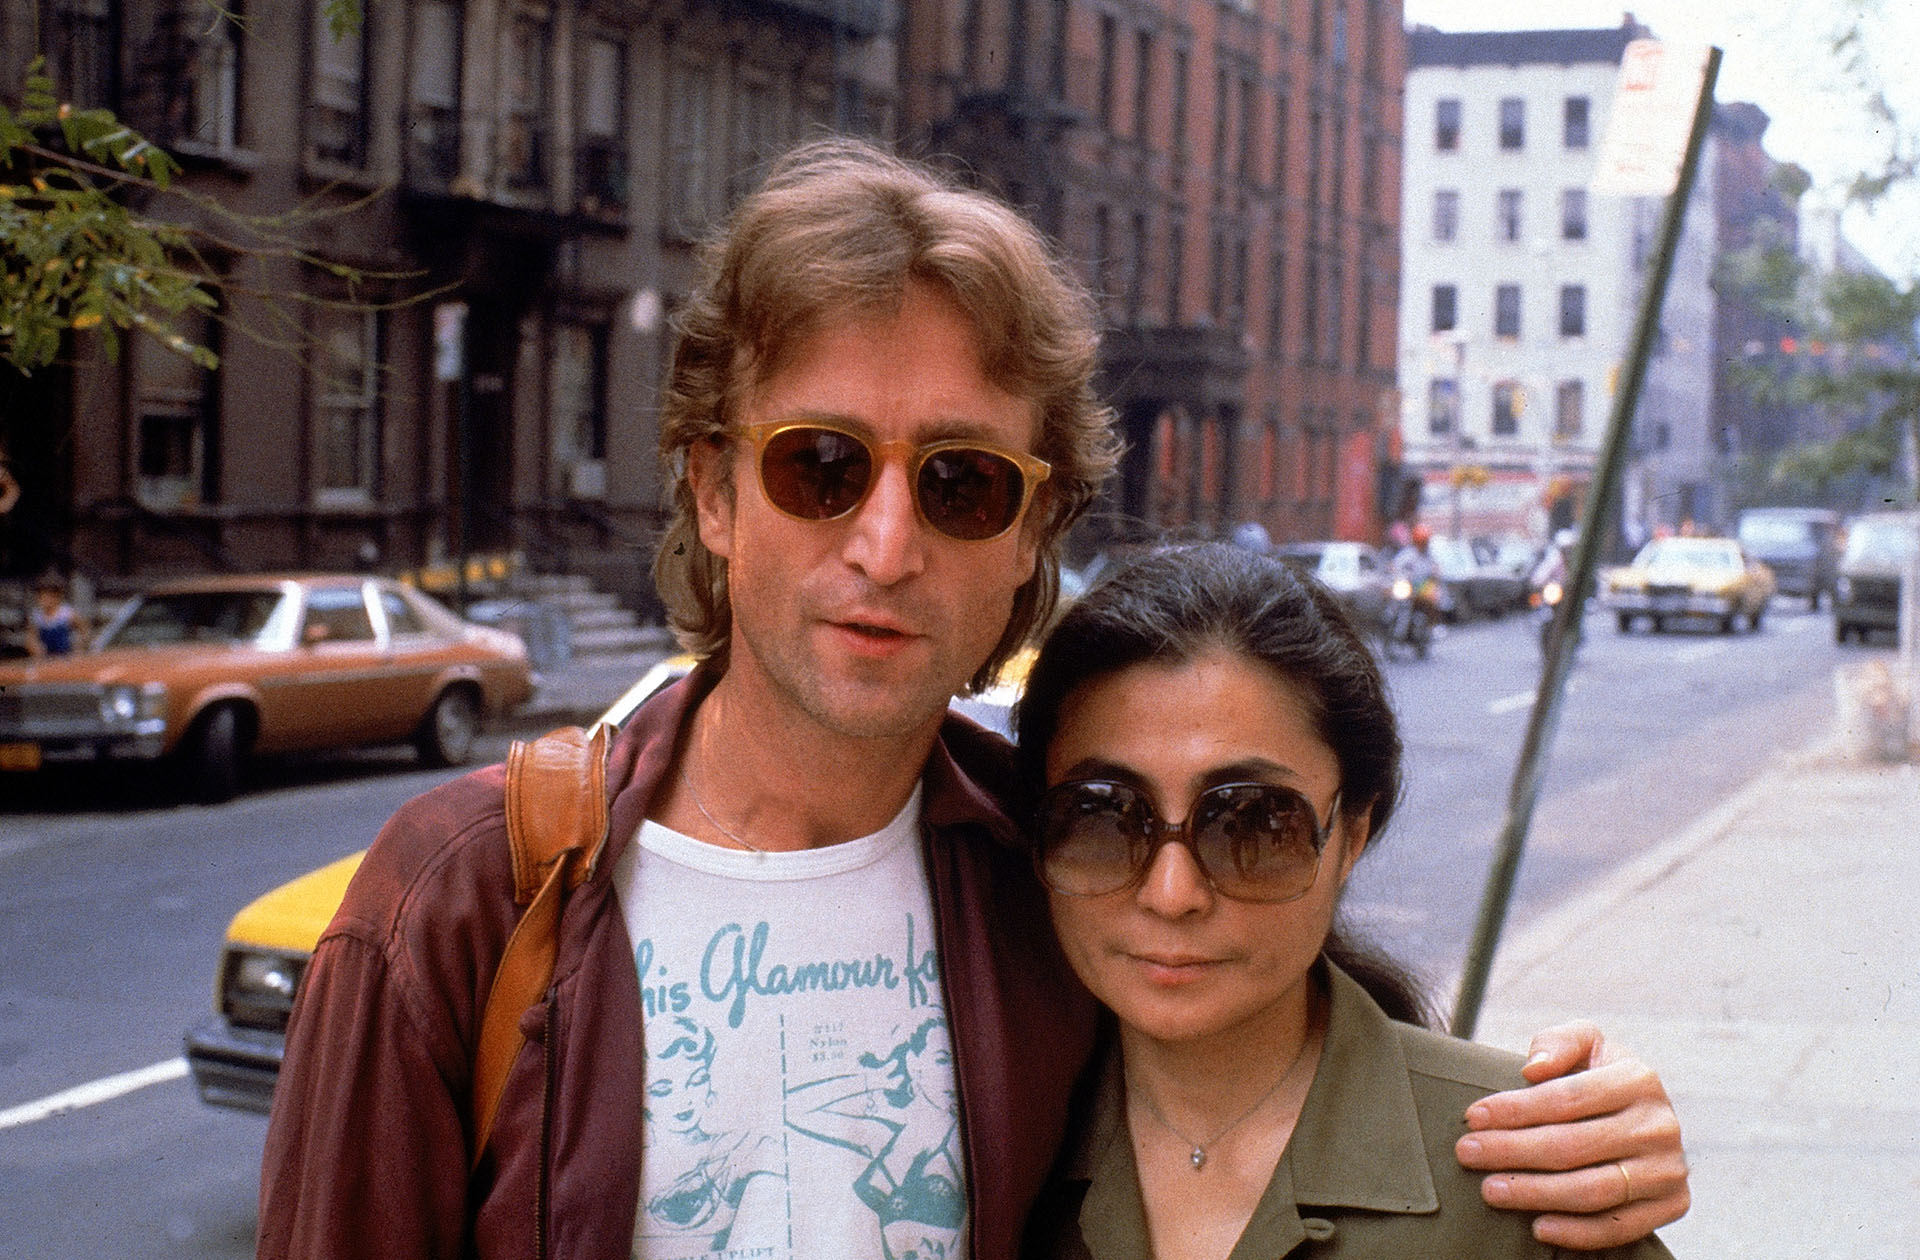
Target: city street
pixel 111 919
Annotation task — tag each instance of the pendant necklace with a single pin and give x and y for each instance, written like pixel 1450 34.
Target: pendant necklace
pixel 707 814
pixel 1198 1156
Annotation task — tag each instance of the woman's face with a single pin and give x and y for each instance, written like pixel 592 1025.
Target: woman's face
pixel 677 1098
pixel 1174 960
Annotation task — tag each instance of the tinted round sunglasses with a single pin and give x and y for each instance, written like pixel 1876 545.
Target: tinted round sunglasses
pixel 1252 841
pixel 964 489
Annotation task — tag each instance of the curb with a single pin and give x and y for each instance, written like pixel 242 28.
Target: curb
pixel 1550 934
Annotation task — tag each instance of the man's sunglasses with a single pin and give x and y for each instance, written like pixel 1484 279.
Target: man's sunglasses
pixel 1253 841
pixel 963 489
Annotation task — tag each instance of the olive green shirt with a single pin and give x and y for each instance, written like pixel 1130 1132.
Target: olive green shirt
pixel 1369 1171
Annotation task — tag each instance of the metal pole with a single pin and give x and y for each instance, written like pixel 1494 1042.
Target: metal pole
pixel 1525 790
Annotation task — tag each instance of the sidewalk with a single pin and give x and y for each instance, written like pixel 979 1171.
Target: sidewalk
pixel 575 693
pixel 1767 962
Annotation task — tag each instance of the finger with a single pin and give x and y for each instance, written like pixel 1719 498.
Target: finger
pixel 1591 1191
pixel 1597 1092
pixel 1617 1228
pixel 1563 1048
pixel 1644 1130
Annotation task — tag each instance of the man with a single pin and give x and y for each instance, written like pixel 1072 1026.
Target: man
pixel 809 1003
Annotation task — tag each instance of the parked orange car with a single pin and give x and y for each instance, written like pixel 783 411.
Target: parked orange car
pixel 211 671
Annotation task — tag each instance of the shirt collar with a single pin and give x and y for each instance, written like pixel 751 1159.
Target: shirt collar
pixel 1357 1143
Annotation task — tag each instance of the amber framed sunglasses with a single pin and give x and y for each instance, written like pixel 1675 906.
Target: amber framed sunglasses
pixel 967 490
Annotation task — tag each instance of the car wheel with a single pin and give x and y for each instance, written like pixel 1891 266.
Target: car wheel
pixel 213 755
pixel 1753 620
pixel 1626 623
pixel 1842 632
pixel 1659 625
pixel 448 732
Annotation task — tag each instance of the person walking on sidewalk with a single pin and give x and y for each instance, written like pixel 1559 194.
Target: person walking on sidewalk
pixel 808 1003
pixel 1215 750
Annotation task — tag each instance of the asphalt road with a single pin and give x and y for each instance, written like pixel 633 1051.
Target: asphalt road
pixel 111 909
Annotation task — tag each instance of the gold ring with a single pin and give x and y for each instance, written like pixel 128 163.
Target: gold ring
pixel 1627 1182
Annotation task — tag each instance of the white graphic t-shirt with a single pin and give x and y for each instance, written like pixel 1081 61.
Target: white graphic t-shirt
pixel 801 1099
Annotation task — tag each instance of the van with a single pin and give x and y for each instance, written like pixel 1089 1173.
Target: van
pixel 1800 545
pixel 1880 547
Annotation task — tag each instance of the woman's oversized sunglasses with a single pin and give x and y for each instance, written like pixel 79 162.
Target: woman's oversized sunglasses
pixel 1253 841
pixel 964 489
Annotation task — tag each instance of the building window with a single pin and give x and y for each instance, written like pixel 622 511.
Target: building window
pixel 82 51
pixel 213 84
pixel 689 147
pixel 433 121
pixel 1446 214
pixel 1181 69
pixel 1137 268
pixel 1569 407
pixel 1103 256
pixel 1507 404
pixel 1249 101
pixel 1573 214
pixel 577 387
pixel 1575 126
pixel 338 116
pixel 1280 141
pixel 1142 83
pixel 176 403
pixel 1109 41
pixel 1276 306
pixel 1176 265
pixel 1446 308
pixel 756 130
pixel 1506 310
pixel 1513 123
pixel 1443 406
pixel 1573 310
pixel 600 175
pixel 1446 124
pixel 1310 316
pixel 1220 115
pixel 1508 215
pixel 346 415
pixel 1217 275
pixel 523 132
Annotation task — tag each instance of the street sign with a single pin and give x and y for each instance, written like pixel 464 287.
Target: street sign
pixel 1653 107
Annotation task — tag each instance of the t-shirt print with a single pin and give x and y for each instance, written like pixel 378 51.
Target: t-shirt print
pixel 801 1097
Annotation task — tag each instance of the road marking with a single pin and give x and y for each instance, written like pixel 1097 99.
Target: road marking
pixel 1697 652
pixel 1507 704
pixel 102 1090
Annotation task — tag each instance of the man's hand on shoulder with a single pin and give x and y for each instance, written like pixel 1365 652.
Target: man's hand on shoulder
pixel 1593 1145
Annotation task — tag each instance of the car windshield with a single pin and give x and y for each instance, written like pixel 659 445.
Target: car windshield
pixel 1882 542
pixel 195 617
pixel 1676 553
pixel 1773 531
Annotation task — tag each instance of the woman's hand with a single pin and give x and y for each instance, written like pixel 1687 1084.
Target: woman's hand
pixel 1593 1144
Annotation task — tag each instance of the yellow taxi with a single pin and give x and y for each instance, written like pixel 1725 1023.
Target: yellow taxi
pixel 235 1052
pixel 1674 580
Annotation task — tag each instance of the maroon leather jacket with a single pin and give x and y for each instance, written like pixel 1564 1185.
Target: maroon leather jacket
pixel 368 1149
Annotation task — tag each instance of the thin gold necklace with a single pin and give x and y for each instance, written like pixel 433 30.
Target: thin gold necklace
pixel 1198 1156
pixel 722 828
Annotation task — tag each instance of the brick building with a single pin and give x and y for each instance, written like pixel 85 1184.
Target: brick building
pixel 546 167
pixel 525 183
pixel 1227 174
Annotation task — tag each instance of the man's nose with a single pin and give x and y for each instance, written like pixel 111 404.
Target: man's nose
pixel 887 541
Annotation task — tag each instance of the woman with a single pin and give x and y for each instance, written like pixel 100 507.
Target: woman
pixel 1262 1094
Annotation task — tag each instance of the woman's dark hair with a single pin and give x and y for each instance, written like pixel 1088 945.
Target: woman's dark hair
pixel 1180 603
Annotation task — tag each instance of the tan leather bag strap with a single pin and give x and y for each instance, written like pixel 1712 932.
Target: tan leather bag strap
pixel 556 828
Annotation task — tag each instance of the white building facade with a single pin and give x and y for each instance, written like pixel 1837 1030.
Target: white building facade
pixel 1519 287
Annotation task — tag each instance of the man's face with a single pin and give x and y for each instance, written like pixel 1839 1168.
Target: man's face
pixel 864 626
